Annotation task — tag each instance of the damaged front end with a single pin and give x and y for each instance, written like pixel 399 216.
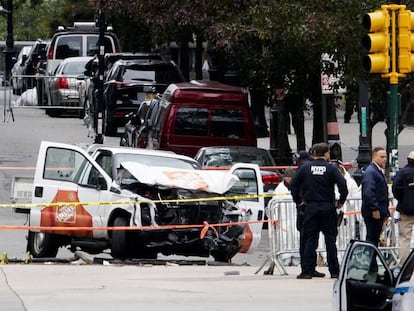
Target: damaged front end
pixel 192 221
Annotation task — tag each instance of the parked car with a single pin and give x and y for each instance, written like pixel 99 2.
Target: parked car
pixel 133 125
pixel 118 177
pixel 129 82
pixel 77 41
pixel 226 156
pixel 87 88
pixel 64 86
pixel 199 114
pixel 36 56
pixel 137 128
pixel 17 70
pixel 366 281
pixel 111 58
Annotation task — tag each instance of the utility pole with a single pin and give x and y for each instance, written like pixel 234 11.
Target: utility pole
pixel 364 148
pixel 9 51
pixel 99 111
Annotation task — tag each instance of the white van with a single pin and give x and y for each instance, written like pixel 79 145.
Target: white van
pixel 79 40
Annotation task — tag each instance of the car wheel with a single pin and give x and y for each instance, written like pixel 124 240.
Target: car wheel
pixel 42 245
pixel 120 246
pixel 81 113
pixel 110 128
pixel 124 141
pixel 222 257
pixel 40 92
pixel 53 112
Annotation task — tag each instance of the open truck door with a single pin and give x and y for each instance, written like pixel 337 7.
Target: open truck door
pixel 365 281
pixel 250 183
pixel 65 173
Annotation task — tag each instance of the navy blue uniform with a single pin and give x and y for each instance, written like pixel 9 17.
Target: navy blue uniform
pixel 314 184
pixel 403 189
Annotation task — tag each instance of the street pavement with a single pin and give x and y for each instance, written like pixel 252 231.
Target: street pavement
pixel 240 286
pixel 50 287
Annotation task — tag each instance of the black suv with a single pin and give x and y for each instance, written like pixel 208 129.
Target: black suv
pixel 88 89
pixel 130 82
pixel 36 56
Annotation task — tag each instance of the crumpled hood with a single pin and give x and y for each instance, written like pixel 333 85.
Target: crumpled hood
pixel 210 181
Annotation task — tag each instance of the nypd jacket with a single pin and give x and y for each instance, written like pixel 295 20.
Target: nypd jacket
pixel 374 192
pixel 315 181
pixel 403 189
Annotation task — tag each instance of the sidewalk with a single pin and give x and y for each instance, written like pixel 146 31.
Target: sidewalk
pixel 349 137
pixel 192 288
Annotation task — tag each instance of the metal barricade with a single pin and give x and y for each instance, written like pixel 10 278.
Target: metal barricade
pixel 284 237
pixel 34 91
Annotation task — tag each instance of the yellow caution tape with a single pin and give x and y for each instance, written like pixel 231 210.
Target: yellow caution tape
pixel 219 198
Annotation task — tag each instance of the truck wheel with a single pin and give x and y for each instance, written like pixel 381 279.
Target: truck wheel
pixel 110 129
pixel 124 141
pixel 120 239
pixel 42 245
pixel 222 257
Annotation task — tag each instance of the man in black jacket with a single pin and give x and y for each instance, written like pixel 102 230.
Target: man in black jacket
pixel 314 187
pixel 375 195
pixel 403 190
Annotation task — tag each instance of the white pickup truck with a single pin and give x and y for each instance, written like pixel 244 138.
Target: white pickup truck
pixel 164 199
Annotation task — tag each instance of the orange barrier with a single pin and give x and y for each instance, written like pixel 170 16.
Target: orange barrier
pixel 126 228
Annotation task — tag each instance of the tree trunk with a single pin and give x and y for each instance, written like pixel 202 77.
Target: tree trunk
pixel 317 132
pixel 257 109
pixel 284 155
pixel 185 60
pixel 199 58
pixel 294 106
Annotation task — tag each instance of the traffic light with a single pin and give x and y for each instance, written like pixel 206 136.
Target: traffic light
pixel 405 41
pixel 377 41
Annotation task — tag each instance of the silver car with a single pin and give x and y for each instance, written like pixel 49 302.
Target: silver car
pixel 64 85
pixel 17 70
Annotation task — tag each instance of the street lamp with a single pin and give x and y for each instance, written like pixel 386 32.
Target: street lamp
pixel 9 51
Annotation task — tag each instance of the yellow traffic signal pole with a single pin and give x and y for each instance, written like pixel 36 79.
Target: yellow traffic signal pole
pixel 394 100
pixel 379 44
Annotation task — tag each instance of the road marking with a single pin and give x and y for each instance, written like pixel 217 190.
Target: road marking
pixel 25 168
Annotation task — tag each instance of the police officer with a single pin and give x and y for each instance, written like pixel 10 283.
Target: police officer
pixel 313 187
pixel 300 158
pixel 403 190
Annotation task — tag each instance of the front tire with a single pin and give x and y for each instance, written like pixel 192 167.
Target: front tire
pixel 110 129
pixel 41 245
pixel 120 246
pixel 124 141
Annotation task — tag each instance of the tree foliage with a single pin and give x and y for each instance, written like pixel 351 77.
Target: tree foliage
pixel 268 41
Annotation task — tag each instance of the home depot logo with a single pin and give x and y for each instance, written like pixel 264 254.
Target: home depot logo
pixel 66 214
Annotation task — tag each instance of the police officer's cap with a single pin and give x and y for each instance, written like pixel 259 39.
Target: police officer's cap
pixel 302 155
